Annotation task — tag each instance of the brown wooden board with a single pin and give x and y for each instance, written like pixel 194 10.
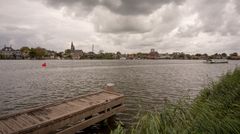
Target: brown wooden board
pixel 59 115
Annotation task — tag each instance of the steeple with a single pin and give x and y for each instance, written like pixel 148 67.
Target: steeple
pixel 72 47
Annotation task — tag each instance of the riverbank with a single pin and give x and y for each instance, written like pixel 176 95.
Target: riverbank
pixel 215 110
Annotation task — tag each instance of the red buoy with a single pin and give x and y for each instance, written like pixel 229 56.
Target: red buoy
pixel 44 64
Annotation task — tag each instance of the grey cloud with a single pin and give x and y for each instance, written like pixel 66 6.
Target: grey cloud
pixel 191 31
pixel 123 7
pixel 237 3
pixel 15 35
pixel 113 23
pixel 217 16
pixel 139 25
pixel 140 6
pixel 128 27
pixel 210 13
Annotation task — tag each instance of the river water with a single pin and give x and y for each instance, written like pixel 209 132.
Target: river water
pixel 145 83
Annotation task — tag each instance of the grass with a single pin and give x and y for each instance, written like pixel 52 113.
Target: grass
pixel 215 110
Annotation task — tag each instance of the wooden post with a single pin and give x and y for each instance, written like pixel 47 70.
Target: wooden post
pixel 109 87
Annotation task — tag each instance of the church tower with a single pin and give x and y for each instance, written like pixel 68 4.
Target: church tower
pixel 72 47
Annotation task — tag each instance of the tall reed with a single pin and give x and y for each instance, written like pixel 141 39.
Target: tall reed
pixel 215 110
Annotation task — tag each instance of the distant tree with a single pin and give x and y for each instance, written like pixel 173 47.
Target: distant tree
pixel 108 56
pixel 216 54
pixel 188 56
pixel 224 55
pixel 60 55
pixel 91 55
pixel 99 56
pixel 67 54
pixel 181 56
pixel 25 49
pixel 32 53
pixel 205 55
pixel 37 53
pixel 198 55
pixel 67 51
pixel 25 52
pixel 141 55
pixel 40 52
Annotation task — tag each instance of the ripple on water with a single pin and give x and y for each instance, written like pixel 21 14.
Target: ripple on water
pixel 145 83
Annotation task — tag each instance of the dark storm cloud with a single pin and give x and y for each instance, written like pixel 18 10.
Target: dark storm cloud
pixel 126 28
pixel 139 6
pixel 123 7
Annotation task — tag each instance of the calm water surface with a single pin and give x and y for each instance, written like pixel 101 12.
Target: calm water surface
pixel 24 84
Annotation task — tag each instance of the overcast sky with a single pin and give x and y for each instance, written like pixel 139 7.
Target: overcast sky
pixel 190 26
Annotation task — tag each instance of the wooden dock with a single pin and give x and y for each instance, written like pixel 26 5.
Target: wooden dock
pixel 65 117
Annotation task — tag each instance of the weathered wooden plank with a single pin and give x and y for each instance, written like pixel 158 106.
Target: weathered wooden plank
pixel 20 122
pixel 87 99
pixel 87 123
pixel 25 120
pixel 37 116
pixel 44 115
pixel 48 105
pixel 74 104
pixel 97 98
pixel 10 125
pixel 5 129
pixel 51 117
pixel 61 123
pixel 53 113
pixel 32 118
pixel 62 108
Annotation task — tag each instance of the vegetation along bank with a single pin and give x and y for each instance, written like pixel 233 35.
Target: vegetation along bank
pixel 215 110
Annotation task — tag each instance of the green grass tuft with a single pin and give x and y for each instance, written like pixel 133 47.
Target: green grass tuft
pixel 215 110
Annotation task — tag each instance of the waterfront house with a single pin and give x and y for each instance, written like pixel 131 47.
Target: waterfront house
pixel 77 54
pixel 234 56
pixel 165 56
pixel 10 53
pixel 50 54
pixel 153 54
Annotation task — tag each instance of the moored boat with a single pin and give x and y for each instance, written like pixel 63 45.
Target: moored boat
pixel 217 61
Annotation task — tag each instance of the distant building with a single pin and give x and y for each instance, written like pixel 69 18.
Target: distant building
pixel 51 54
pixel 72 47
pixel 75 54
pixel 153 54
pixel 10 53
pixel 130 56
pixel 165 56
pixel 234 56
